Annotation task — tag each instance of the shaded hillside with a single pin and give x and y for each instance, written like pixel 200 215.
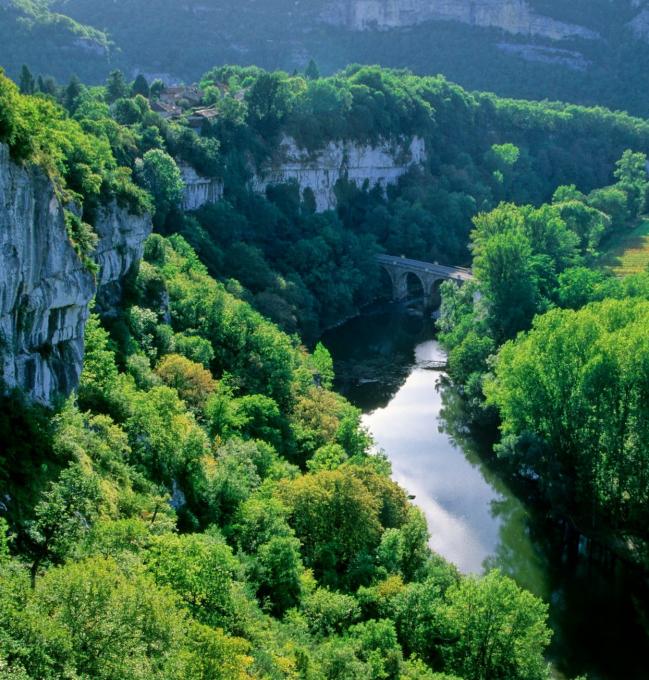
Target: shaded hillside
pixel 32 32
pixel 589 52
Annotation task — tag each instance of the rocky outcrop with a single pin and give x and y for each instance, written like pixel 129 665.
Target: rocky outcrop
pixel 513 16
pixel 45 290
pixel 90 46
pixel 381 165
pixel 199 190
pixel 318 171
pixel 547 55
pixel 120 248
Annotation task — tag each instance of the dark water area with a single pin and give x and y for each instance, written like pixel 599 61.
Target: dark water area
pixel 475 519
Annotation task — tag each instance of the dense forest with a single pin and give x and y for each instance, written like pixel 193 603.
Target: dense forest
pixel 551 346
pixel 307 270
pixel 205 505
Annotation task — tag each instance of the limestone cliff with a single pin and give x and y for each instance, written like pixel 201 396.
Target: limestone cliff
pixel 199 190
pixel 45 290
pixel 381 164
pixel 513 16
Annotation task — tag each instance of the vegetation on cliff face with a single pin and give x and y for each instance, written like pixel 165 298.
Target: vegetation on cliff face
pixel 305 270
pixel 81 164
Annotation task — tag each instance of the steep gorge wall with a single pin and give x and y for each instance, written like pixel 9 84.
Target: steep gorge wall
pixel 45 290
pixel 318 171
pixel 513 16
pixel 381 164
pixel 199 190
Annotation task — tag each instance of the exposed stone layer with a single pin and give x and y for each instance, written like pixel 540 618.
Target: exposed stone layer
pixel 45 291
pixel 547 55
pixel 382 164
pixel 513 16
pixel 199 190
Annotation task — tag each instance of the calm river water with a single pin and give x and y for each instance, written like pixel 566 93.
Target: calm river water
pixel 475 520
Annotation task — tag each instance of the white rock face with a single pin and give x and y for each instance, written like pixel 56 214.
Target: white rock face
pixel 382 165
pixel 45 291
pixel 199 190
pixel 513 16
pixel 120 248
pixel 90 46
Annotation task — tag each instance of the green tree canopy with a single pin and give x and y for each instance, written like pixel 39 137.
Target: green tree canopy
pixel 571 396
pixel 160 175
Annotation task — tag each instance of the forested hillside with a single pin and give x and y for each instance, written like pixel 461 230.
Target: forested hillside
pixel 33 32
pixel 204 506
pixel 519 49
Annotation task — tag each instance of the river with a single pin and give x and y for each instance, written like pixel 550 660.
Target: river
pixel 476 521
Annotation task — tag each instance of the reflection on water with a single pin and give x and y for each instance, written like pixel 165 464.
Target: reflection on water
pixel 474 518
pixel 376 359
pixel 374 354
pixel 516 552
pixel 427 464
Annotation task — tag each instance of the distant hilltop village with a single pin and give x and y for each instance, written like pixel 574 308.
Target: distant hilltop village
pixel 176 101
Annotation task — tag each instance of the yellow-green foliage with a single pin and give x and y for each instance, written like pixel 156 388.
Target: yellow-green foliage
pixel 193 383
pixel 629 253
pixel 81 165
pixel 181 540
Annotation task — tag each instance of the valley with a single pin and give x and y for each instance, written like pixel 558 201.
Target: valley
pixel 231 446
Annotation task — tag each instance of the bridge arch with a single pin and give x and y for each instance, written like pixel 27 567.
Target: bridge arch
pixel 385 290
pixel 415 286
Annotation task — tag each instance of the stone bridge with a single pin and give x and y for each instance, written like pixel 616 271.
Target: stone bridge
pixel 429 275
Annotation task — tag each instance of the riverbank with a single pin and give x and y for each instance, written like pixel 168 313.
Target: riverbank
pixel 476 519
